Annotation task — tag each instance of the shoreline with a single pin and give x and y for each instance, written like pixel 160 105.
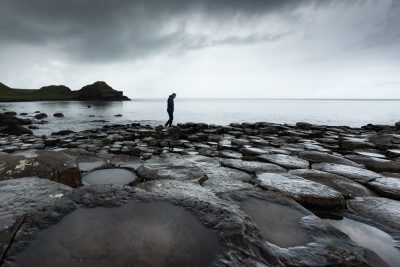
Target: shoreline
pixel 227 178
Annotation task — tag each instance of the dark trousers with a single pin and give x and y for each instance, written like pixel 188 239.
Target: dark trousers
pixel 171 118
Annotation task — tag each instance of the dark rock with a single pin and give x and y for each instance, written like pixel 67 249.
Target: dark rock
pixel 253 151
pixel 15 130
pixel 376 164
pixel 10 120
pixel 252 166
pixel 303 125
pixel 359 175
pixel 118 115
pixel 299 237
pixel 172 167
pixel 180 210
pixel 387 187
pixel 304 191
pixel 319 157
pixel 63 132
pixel 347 187
pixel 230 154
pixel 380 210
pixel 55 166
pixel 286 161
pixel 58 115
pixel 20 196
pixel 33 127
pixel 40 116
pixel 350 144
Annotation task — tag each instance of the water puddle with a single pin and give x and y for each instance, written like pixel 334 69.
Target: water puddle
pixel 109 176
pixel 369 237
pixel 136 234
pixel 279 224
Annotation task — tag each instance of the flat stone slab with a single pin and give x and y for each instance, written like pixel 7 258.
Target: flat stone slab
pixel 348 188
pixel 223 179
pixel 378 241
pixel 110 176
pixel 23 195
pixel 160 223
pixel 171 167
pixel 230 154
pixel 279 224
pixel 113 237
pixel 320 157
pixel 304 191
pixel 377 209
pixel 359 175
pixel 387 187
pixel 52 165
pixel 286 161
pixel 376 164
pixel 252 166
pixel 220 179
pixel 297 236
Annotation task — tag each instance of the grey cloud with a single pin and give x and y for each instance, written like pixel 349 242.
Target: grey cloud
pixel 112 30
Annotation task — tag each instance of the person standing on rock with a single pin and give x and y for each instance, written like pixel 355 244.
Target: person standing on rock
pixel 170 109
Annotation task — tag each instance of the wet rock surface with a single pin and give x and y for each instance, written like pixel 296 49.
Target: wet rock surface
pixel 113 237
pixel 174 226
pixel 348 188
pixel 359 175
pixel 381 210
pixel 18 198
pixel 304 191
pixel 252 166
pixel 286 161
pixel 297 236
pixel 55 166
pixel 218 179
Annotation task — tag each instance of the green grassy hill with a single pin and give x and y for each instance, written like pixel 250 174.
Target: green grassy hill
pixel 96 91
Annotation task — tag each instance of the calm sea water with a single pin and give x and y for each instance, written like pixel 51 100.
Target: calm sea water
pixel 213 111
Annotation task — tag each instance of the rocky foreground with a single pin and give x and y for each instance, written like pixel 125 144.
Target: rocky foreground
pixel 246 194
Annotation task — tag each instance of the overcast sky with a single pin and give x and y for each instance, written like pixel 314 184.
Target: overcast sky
pixel 210 48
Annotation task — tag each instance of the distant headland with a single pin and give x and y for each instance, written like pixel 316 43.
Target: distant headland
pixel 98 91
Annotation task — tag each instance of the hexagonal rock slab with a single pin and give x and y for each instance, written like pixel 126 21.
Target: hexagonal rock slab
pixel 286 161
pixel 55 166
pixel 319 157
pixel 221 179
pixel 359 175
pixel 163 223
pixel 377 209
pixel 348 188
pixel 299 237
pixel 19 197
pixel 22 195
pixel 252 166
pixel 386 187
pixel 172 167
pixel 376 164
pixel 302 190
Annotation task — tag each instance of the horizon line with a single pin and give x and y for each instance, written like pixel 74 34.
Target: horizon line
pixel 244 98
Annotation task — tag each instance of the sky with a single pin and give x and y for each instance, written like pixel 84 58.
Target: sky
pixel 205 49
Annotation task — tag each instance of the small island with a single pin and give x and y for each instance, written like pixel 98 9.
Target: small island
pixel 98 91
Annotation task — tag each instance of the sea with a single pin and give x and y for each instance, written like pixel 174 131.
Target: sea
pixel 80 116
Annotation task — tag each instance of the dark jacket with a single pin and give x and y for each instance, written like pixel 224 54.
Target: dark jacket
pixel 170 107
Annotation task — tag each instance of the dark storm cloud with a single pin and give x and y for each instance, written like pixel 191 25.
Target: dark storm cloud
pixel 116 29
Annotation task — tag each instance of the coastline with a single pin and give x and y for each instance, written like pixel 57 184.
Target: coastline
pixel 234 173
